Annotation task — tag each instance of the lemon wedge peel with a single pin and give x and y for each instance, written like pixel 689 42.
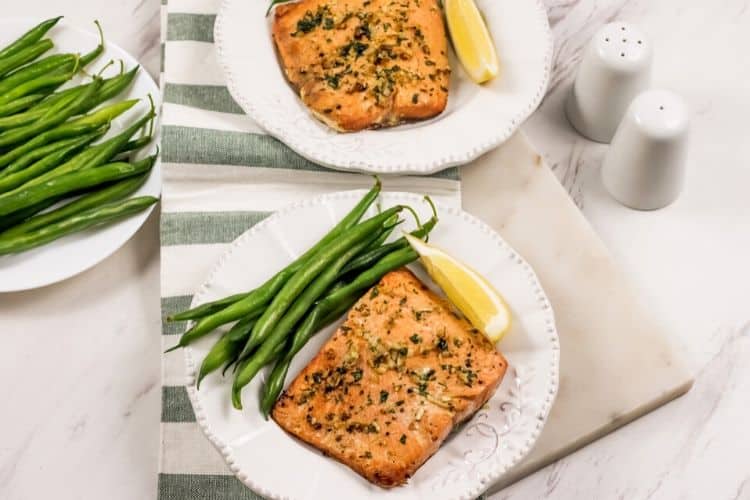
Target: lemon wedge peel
pixel 482 305
pixel 471 40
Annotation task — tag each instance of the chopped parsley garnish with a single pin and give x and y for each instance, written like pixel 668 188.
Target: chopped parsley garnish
pixel 357 374
pixel 383 396
pixel 332 81
pixel 441 344
pixel 402 439
pixel 415 339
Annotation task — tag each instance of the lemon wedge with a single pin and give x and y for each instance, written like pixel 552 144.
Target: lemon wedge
pixel 482 305
pixel 471 40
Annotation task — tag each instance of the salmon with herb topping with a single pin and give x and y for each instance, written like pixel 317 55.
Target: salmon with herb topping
pixel 386 389
pixel 360 64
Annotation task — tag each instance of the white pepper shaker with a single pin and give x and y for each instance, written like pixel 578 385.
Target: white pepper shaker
pixel 645 165
pixel 616 67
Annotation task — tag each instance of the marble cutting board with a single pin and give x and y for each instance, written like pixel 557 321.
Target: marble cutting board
pixel 617 361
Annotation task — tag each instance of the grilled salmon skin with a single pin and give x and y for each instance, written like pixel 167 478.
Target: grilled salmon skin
pixel 360 64
pixel 387 388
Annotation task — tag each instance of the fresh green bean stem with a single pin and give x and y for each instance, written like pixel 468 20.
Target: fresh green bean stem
pixel 248 301
pixel 94 217
pixel 369 258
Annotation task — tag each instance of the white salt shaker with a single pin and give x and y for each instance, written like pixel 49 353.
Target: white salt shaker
pixel 645 165
pixel 616 67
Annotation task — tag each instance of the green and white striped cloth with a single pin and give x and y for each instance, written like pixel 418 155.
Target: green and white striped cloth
pixel 221 174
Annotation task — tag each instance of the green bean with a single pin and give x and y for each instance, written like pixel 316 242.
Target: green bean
pixel 320 261
pixel 113 87
pixel 129 149
pixel 208 308
pixel 51 66
pixel 30 37
pixel 242 328
pixel 229 309
pixel 390 225
pixel 66 130
pixel 221 352
pixel 248 301
pixel 34 70
pixel 36 112
pixel 110 88
pixel 226 348
pixel 54 116
pixel 42 82
pixel 292 302
pixel 18 217
pixel 20 104
pixel 315 320
pixel 24 196
pixel 9 63
pixel 87 59
pixel 116 191
pixel 95 155
pixel 84 220
pixel 326 311
pixel 36 154
pixel 47 163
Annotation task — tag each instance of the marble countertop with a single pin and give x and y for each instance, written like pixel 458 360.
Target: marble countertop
pixel 80 363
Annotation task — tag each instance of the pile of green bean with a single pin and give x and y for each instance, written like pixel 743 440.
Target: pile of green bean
pixel 274 321
pixel 55 178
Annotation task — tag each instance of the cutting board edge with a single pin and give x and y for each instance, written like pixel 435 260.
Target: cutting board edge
pixel 526 469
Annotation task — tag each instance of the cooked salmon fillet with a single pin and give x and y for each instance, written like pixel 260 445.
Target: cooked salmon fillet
pixel 387 388
pixel 360 64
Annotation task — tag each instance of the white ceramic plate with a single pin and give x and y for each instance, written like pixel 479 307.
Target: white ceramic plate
pixel 263 456
pixel 73 254
pixel 477 119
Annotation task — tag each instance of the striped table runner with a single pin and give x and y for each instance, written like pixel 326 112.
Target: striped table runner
pixel 222 174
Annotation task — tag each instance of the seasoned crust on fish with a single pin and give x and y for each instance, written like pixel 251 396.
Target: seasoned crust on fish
pixel 387 388
pixel 360 64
